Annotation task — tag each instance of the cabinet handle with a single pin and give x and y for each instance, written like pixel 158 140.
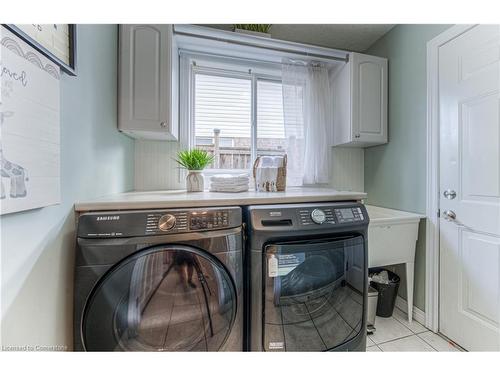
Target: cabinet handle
pixel 357 136
pixel 167 126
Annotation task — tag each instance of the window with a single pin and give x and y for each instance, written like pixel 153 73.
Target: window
pixel 236 115
pixel 223 112
pixel 270 125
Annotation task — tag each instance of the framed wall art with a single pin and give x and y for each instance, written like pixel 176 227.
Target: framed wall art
pixel 29 127
pixel 57 42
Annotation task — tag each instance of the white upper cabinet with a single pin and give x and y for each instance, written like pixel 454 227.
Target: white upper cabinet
pixel 148 77
pixel 360 102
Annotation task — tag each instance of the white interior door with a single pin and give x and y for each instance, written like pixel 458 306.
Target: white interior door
pixel 469 80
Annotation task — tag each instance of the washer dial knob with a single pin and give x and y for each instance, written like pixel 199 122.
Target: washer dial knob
pixel 166 222
pixel 318 216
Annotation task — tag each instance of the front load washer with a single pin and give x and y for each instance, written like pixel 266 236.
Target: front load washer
pixel 308 277
pixel 159 280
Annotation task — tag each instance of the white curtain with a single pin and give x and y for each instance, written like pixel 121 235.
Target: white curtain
pixel 307 113
pixel 293 81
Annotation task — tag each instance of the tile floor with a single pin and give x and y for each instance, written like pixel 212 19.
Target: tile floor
pixel 395 334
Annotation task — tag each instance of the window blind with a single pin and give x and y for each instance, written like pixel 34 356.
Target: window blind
pixel 270 122
pixel 223 103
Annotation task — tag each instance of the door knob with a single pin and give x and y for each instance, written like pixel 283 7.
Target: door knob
pixel 450 194
pixel 449 215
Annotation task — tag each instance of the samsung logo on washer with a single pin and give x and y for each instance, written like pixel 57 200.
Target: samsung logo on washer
pixel 108 218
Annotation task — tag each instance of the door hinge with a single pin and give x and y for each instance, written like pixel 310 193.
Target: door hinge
pixel 439 213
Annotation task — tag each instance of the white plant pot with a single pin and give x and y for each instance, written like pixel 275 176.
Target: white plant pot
pixel 195 181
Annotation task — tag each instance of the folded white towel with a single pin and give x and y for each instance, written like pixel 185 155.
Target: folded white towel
pixel 223 185
pixel 229 185
pixel 230 179
pixel 229 189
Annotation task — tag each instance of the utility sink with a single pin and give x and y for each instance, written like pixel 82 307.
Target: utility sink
pixel 392 237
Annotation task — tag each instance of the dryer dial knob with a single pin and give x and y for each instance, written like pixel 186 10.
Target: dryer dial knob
pixel 318 216
pixel 166 222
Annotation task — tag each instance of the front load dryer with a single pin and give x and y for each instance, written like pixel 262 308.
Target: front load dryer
pixel 307 283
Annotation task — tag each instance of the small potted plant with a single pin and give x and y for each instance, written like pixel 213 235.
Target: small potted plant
pixel 194 161
pixel 253 29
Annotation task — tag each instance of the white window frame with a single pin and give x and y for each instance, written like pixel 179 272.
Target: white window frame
pixel 192 64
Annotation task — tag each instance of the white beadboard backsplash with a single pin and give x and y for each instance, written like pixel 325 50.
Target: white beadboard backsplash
pixel 155 168
pixel 348 169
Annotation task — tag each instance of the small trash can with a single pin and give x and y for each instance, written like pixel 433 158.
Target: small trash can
pixel 387 292
pixel 371 309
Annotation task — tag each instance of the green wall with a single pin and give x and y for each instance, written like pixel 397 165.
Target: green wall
pixel 37 246
pixel 395 173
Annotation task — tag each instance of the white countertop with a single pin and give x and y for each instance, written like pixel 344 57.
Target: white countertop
pixel 181 199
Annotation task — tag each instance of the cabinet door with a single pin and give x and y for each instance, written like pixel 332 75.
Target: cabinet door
pixel 342 106
pixel 369 99
pixel 145 85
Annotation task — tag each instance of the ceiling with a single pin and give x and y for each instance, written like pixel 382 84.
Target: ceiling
pixel 356 37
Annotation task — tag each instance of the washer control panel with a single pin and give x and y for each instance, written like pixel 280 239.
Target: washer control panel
pixel 349 215
pixel 199 220
pixel 157 222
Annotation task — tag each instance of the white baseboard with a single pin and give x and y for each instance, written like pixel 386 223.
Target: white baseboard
pixel 418 314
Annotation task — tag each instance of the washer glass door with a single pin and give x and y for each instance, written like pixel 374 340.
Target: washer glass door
pixel 164 298
pixel 313 294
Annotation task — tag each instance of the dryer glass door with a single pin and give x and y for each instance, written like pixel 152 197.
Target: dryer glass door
pixel 313 294
pixel 165 298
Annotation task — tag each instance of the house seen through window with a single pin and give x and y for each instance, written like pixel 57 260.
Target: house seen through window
pixel 237 117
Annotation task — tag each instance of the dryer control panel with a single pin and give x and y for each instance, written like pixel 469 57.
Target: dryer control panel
pixel 308 216
pixel 330 215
